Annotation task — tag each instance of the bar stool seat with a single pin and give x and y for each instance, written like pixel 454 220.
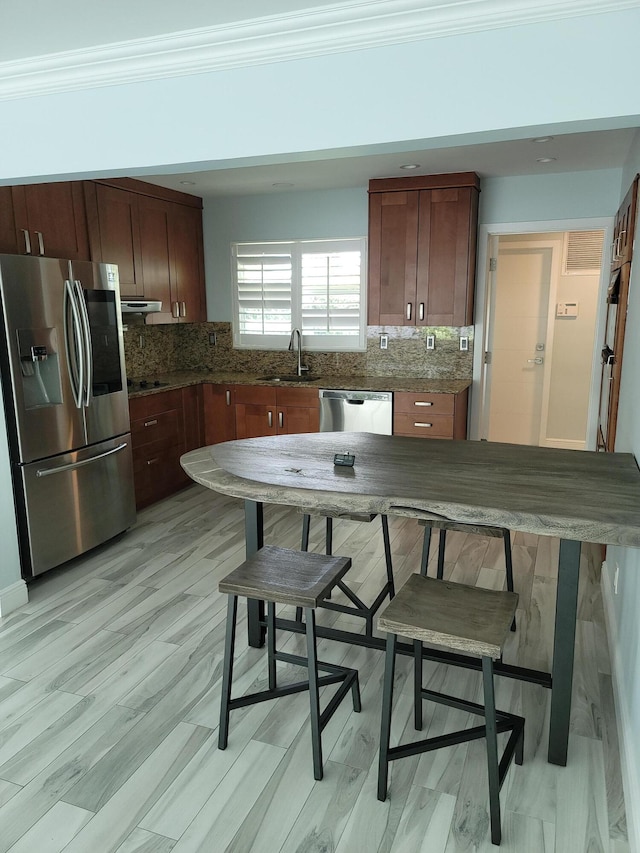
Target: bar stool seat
pixel 357 606
pixel 283 576
pixel 465 619
pixel 444 525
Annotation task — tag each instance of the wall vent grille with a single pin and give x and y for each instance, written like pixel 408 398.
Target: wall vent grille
pixel 583 252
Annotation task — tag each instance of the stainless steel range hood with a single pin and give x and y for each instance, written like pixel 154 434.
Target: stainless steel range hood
pixel 140 306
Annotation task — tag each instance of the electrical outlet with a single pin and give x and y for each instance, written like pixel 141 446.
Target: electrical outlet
pixel 384 341
pixel 431 341
pixel 616 575
pixel 213 339
pixel 464 343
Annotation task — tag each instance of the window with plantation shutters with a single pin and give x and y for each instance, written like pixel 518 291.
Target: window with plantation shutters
pixel 317 286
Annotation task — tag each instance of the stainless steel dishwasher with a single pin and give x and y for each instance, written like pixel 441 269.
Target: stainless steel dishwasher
pixel 356 411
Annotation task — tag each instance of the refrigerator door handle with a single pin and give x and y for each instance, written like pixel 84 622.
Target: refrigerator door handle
pixel 45 472
pixel 77 381
pixel 87 348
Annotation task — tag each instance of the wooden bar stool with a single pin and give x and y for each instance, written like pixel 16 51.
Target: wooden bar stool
pixel 357 607
pixel 479 529
pixel 465 619
pixel 282 576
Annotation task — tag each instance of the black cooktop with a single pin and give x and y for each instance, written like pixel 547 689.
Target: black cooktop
pixel 141 384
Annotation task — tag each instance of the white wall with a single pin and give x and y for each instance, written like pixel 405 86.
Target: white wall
pixel 623 608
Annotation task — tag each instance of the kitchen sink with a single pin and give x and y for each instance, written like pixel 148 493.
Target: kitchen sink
pixel 289 377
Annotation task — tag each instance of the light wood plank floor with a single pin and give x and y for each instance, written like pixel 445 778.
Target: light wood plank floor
pixel 109 699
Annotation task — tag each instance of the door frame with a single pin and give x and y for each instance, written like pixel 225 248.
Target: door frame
pixel 483 292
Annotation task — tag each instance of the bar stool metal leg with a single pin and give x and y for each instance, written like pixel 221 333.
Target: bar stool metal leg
pixel 417 685
pixel 314 694
pixel 387 554
pixel 492 749
pixel 385 725
pixel 441 546
pixel 271 644
pixel 426 543
pixel 227 671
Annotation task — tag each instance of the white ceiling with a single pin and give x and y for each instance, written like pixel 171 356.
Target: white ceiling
pixel 574 152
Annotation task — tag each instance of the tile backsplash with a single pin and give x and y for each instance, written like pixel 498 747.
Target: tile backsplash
pixel 153 350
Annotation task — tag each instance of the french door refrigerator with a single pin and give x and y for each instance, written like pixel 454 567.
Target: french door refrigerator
pixel 65 397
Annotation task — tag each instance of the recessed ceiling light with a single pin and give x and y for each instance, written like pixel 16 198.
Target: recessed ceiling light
pixel 188 183
pixel 542 139
pixel 546 159
pixel 282 184
pixel 410 166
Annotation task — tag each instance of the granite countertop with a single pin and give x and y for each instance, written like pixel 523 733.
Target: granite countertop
pixel 183 379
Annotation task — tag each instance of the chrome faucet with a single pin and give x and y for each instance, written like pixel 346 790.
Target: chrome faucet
pixel 300 368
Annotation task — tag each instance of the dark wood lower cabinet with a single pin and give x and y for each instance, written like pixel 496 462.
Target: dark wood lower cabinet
pixel 163 427
pixel 430 415
pixel 264 410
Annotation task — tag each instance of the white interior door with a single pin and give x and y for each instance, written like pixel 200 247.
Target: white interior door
pixel 518 343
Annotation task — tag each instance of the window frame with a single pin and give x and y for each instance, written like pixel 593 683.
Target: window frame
pixel 311 342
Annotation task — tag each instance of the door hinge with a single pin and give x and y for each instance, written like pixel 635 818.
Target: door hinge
pixel 487 358
pixel 493 264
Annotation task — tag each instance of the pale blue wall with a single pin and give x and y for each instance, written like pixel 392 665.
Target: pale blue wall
pixel 570 195
pixel 548 75
pixel 283 216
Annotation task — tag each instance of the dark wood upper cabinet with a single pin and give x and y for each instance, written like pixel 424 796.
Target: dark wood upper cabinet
pixel 155 236
pixel 49 220
pixel 624 227
pixel 8 235
pixel 114 233
pixel 422 249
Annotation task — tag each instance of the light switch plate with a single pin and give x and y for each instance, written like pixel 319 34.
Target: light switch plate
pixel 464 343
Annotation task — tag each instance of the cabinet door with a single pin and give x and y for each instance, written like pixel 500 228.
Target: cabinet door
pixel 446 255
pixel 218 402
pixel 624 228
pixel 153 223
pixel 8 234
pixel 255 411
pixel 52 218
pixel 393 254
pixel 114 233
pixel 295 419
pixel 187 265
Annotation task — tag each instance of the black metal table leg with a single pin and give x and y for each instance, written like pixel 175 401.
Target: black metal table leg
pixel 254 533
pixel 563 650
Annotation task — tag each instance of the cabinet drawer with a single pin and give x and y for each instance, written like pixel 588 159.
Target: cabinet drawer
pixel 256 395
pixel 307 397
pixel 163 426
pixel 156 471
pixel 423 424
pixel 424 405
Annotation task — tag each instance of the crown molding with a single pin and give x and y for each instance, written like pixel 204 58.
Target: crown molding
pixel 313 32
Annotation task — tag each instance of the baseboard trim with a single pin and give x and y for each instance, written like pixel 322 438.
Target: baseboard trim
pixel 12 597
pixel 630 773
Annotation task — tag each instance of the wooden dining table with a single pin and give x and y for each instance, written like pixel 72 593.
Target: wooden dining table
pixel 578 496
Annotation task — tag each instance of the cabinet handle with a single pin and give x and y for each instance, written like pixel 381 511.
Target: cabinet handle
pixel 280 419
pixel 270 418
pixel 175 309
pixel 421 311
pixel 620 236
pixel 151 423
pixel 183 309
pixel 152 461
pixel 422 403
pixel 418 424
pixel 228 394
pixel 409 308
pixel 27 241
pixel 40 242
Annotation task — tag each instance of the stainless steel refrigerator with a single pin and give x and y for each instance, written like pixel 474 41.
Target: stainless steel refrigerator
pixel 65 396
